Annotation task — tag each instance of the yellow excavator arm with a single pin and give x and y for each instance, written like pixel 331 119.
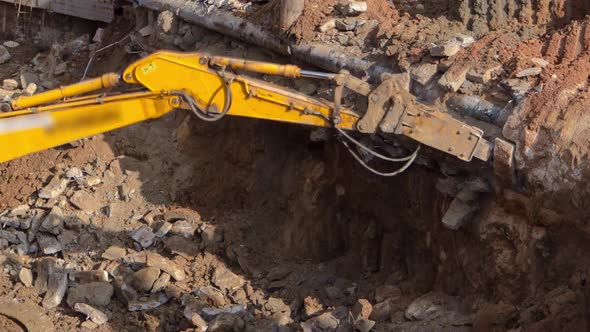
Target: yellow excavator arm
pixel 209 87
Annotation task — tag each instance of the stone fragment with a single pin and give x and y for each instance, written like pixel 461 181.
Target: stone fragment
pixel 210 313
pixel 114 253
pixel 458 214
pixel 88 325
pixel 329 25
pixel 312 306
pixel 361 309
pixel 465 40
pixel 86 202
pixel 144 279
pixel 11 44
pixel 423 72
pixel 446 49
pixel 161 283
pixel 183 228
pixel 48 243
pixel 326 321
pixel 43 268
pixel 84 277
pixel 144 236
pixel 167 22
pixel 98 35
pixel 226 322
pixel 166 265
pixel 56 289
pixel 225 279
pixel 147 303
pixel 30 89
pixel 147 30
pixel 454 77
pixel 54 188
pixel 163 229
pixel 95 315
pixel 74 173
pixel 353 8
pixel 198 322
pixel 93 293
pixel 483 73
pixel 346 24
pixel 212 294
pixel 518 88
pixel 90 181
pixel 364 325
pixel 534 71
pixel 4 54
pixel 540 62
pixel 424 307
pixel 381 311
pixel 276 305
pixel 211 235
pixel 26 277
pixel 53 223
pixel 27 78
pixel 61 68
pixel 9 84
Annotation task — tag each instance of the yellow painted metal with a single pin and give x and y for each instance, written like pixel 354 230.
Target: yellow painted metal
pixel 105 81
pixel 252 98
pixel 59 124
pixel 257 67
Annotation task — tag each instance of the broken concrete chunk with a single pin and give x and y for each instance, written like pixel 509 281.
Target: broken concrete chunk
pixel 114 252
pixel 483 74
pixel 458 213
pixel 225 279
pixel 423 72
pixel 148 303
pixel 446 49
pixel 9 84
pixel 30 89
pixel 86 202
pixel 74 173
pixel 56 290
pixel 54 188
pixel 26 277
pixel 93 293
pixel 145 278
pixel 4 54
pixel 346 24
pixel 534 71
pixel 454 77
pixel 161 283
pixel 95 315
pixel 166 265
pixel 30 316
pixel 518 88
pixel 48 243
pixel 210 313
pixel 329 25
pixel 83 277
pixel 352 8
pixel 53 223
pixel 144 236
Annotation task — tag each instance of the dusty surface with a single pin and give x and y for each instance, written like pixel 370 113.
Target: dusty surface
pixel 292 234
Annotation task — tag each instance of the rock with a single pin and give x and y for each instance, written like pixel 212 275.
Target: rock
pixel 88 325
pixel 163 229
pixel 144 236
pixel 342 39
pixel 9 84
pixel 148 303
pixel 54 188
pixel 353 8
pixel 276 305
pixel 114 253
pixel 214 295
pixel 48 243
pixel 210 313
pixel 458 213
pixel 60 69
pixel 84 277
pixel 144 279
pixel 28 78
pixel 346 24
pixel 90 181
pixel 518 88
pixel 166 265
pixel 26 277
pixel 30 89
pixel 312 306
pixel 167 22
pixel 93 293
pixel 325 321
pixel 446 49
pixel 56 290
pixel 454 77
pixel 364 325
pixel 211 235
pixel 465 40
pixel 225 279
pixel 53 223
pixel 4 54
pixel 95 315
pixel 504 160
pixel 425 307
pixel 44 267
pixel 161 283
pixel 387 292
pixel 534 71
pixel 179 245
pixel 361 309
pixel 11 44
pixel 329 25
pixel 86 202
pixel 227 322
pixel 183 228
pixel 29 316
pixel 74 173
pixel 98 35
pixel 125 192
pixel 540 62
pixel 9 236
pixel 423 73
pixel 483 74
pixel 381 311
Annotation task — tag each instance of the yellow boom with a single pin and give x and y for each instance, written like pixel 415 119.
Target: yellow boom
pixel 209 87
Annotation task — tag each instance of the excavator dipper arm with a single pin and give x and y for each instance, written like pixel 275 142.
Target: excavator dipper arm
pixel 209 87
